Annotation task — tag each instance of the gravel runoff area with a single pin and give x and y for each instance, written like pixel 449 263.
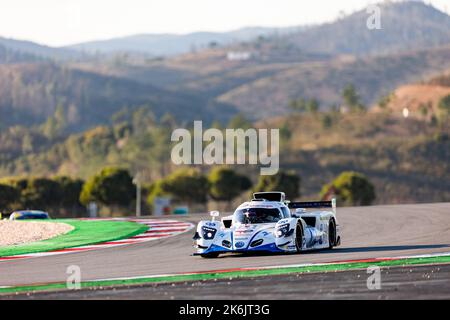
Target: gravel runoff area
pixel 20 232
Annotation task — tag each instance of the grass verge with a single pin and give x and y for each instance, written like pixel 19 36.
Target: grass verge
pixel 85 232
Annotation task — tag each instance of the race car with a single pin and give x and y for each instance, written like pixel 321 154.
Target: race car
pixel 29 215
pixel 270 223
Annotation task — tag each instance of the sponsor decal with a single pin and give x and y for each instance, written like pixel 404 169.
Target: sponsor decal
pixel 240 244
pixel 226 244
pixel 244 231
pixel 208 233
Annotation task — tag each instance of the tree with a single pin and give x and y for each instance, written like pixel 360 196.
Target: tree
pixel 239 122
pixel 110 187
pixel 142 120
pixel 41 193
pixel 226 184
pixel 169 121
pixel 423 110
pixel 27 143
pixel 285 135
pixel 298 105
pixel 444 108
pixel 8 196
pixel 352 99
pixel 327 121
pixel 444 105
pixel 187 185
pixel 301 105
pixel 60 118
pixel 384 101
pixel 122 130
pixel 351 188
pixel 312 106
pixel 50 128
pixel 285 181
pixel 70 190
pixel 56 124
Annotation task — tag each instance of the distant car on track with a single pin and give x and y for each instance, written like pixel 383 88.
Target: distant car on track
pixel 29 215
pixel 266 224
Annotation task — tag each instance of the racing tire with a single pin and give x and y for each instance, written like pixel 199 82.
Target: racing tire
pixel 211 255
pixel 299 237
pixel 331 234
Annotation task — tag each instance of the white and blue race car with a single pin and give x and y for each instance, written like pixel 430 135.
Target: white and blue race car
pixel 267 224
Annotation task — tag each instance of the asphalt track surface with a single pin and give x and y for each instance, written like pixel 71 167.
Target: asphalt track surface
pixel 367 232
pixel 419 282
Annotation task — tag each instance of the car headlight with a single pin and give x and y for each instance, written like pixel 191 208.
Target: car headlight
pixel 208 233
pixel 282 230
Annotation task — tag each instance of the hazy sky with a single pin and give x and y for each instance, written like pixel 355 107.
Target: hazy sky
pixel 60 22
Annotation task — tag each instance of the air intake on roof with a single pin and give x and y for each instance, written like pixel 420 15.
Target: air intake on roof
pixel 270 196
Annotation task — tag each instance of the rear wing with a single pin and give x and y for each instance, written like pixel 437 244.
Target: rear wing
pixel 314 205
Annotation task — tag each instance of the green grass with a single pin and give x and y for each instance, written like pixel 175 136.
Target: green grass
pixel 85 232
pixel 235 274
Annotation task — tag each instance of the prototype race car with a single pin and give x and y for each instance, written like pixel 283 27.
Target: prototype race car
pixel 266 224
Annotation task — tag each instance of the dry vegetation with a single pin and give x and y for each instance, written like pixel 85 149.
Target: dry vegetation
pixel 407 159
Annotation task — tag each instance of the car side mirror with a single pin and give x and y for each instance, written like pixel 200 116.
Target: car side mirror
pixel 214 214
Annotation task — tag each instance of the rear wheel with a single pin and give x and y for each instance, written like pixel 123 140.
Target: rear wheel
pixel 331 234
pixel 299 237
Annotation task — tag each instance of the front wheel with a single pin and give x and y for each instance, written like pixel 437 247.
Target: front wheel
pixel 299 237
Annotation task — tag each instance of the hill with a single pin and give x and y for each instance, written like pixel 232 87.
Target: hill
pixel 174 44
pixel 407 159
pixel 405 25
pixel 421 100
pixel 373 77
pixel 30 93
pixel 8 55
pixel 39 51
pixel 441 80
pixel 264 84
pixel 260 77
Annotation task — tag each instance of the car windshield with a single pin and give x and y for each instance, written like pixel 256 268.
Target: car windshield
pixel 33 216
pixel 257 215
